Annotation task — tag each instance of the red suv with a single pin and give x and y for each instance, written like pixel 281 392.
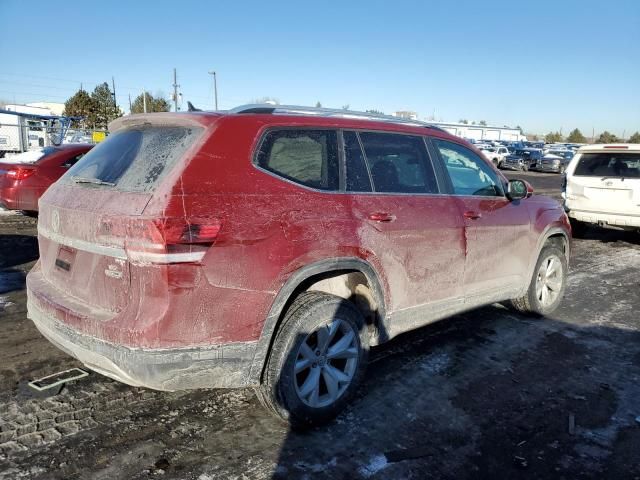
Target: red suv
pixel 25 177
pixel 272 246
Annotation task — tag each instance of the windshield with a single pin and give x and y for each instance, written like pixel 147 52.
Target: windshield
pixel 609 164
pixel 133 160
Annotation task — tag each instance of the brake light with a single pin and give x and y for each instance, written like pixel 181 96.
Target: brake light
pixel 616 146
pixel 162 240
pixel 20 173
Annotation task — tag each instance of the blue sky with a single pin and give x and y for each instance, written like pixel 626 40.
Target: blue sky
pixel 544 65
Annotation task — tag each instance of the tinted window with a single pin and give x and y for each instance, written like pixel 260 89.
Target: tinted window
pixel 357 174
pixel 309 157
pixel 398 163
pixel 133 160
pixel 470 175
pixel 609 164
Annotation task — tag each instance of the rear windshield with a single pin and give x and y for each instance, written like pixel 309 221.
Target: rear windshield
pixel 609 164
pixel 133 160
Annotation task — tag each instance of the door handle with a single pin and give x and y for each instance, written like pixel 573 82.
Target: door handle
pixel 471 215
pixel 381 217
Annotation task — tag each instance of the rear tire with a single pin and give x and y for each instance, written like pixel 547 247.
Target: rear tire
pixel 547 285
pixel 317 360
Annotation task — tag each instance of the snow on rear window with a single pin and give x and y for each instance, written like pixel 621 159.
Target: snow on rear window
pixel 133 160
pixel 32 156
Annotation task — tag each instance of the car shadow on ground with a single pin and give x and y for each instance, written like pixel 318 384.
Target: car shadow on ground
pixel 17 250
pixel 610 235
pixel 487 394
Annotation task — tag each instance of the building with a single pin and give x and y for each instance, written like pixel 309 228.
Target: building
pixel 406 115
pixel 38 108
pixel 482 132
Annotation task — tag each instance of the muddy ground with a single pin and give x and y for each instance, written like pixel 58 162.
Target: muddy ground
pixel 488 394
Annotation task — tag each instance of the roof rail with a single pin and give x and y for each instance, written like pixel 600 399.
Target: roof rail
pixel 326 112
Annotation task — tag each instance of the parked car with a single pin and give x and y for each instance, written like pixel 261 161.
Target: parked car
pixel 522 159
pixel 495 154
pixel 602 187
pixel 271 246
pixel 554 161
pixel 26 176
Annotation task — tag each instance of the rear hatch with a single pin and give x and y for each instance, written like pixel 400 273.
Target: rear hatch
pixel 605 181
pixel 88 217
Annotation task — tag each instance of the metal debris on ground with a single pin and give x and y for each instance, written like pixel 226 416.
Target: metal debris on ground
pixel 57 379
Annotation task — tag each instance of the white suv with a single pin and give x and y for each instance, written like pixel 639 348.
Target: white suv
pixel 602 187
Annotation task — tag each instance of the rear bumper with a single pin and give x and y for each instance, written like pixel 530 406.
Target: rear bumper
pixel 604 219
pixel 214 366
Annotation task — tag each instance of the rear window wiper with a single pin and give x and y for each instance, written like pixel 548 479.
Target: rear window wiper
pixel 94 181
pixel 607 178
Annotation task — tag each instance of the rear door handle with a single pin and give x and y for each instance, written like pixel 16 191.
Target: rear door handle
pixel 381 217
pixel 471 215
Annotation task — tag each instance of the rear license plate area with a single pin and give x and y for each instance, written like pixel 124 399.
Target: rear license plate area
pixel 65 258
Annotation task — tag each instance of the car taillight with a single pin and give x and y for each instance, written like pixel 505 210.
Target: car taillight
pixel 171 240
pixel 20 173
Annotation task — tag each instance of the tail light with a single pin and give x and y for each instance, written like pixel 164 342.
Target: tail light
pixel 163 240
pixel 20 173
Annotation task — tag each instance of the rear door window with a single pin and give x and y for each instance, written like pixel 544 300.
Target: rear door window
pixel 307 157
pixel 398 163
pixel 608 164
pixel 133 160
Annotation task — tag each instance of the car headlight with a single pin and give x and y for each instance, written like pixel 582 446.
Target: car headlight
pixel 556 162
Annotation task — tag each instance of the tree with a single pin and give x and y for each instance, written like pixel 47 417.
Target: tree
pixel 375 112
pixel 553 137
pixel 483 123
pixel 105 108
pixel 518 127
pixel 318 104
pixel 154 104
pixel 635 138
pixel 576 136
pixel 81 104
pixel 607 137
pixel 464 121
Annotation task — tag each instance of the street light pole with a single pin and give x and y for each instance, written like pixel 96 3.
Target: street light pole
pixel 215 89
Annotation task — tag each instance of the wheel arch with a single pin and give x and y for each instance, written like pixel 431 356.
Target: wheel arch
pixel 298 282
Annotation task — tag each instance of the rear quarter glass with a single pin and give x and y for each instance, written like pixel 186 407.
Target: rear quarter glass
pixel 134 159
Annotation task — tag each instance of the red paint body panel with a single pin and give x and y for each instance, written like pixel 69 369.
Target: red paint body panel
pixel 270 228
pixel 24 194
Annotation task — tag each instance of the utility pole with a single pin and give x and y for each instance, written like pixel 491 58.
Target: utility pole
pixel 129 103
pixel 215 89
pixel 175 89
pixel 144 101
pixel 113 85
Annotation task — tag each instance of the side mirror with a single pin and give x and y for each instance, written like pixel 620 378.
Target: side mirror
pixel 519 189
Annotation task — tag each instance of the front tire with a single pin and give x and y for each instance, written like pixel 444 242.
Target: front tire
pixel 318 359
pixel 547 286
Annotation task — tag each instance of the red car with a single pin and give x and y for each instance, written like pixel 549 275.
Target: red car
pixel 272 246
pixel 25 177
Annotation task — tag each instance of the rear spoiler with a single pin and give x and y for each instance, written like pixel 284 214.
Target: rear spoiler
pixel 161 119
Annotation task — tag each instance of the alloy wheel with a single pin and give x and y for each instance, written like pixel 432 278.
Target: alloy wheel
pixel 549 281
pixel 326 363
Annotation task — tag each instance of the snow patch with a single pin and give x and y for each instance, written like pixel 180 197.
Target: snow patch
pixel 4 303
pixel 376 464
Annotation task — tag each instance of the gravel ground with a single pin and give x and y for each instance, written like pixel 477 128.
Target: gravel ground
pixel 488 394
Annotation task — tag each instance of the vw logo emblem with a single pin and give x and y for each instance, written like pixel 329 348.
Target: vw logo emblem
pixel 55 221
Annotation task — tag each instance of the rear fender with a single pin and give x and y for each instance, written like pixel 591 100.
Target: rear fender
pixel 277 310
